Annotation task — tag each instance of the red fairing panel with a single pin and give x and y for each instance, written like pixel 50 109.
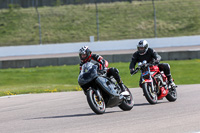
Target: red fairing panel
pixel 163 93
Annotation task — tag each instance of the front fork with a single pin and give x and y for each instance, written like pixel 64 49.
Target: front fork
pixel 150 80
pixel 152 86
pixel 98 94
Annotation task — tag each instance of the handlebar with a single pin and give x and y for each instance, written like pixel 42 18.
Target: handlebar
pixel 101 72
pixel 139 67
pixel 135 71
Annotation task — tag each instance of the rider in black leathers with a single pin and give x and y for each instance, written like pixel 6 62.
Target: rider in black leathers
pixel 86 55
pixel 145 53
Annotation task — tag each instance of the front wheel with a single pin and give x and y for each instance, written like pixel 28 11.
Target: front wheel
pixel 127 103
pixel 96 104
pixel 149 94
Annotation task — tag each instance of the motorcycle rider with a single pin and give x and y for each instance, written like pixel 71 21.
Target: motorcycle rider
pixel 145 53
pixel 86 55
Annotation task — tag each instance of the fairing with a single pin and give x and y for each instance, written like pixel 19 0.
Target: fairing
pixel 87 74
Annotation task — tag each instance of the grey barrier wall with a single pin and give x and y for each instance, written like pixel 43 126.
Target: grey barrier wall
pixel 175 55
pixel 98 46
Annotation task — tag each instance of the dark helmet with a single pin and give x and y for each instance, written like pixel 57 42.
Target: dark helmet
pixel 142 47
pixel 85 54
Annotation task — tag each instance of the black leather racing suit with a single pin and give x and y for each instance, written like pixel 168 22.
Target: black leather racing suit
pixel 150 56
pixel 95 58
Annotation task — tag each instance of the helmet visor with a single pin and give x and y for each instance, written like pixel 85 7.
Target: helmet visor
pixel 83 56
pixel 141 48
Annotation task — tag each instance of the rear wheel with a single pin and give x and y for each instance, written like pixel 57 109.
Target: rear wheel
pixel 149 94
pixel 127 103
pixel 172 94
pixel 96 104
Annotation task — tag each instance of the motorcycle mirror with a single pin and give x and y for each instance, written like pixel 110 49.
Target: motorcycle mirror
pixel 144 62
pixel 139 64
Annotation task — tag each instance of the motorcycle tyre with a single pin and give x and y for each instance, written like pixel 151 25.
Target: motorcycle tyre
pixel 127 106
pixel 91 102
pixel 171 98
pixel 147 95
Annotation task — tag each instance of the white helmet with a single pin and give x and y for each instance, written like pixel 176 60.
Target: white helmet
pixel 142 47
pixel 85 51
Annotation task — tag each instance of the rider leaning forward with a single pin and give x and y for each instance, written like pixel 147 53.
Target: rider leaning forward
pixel 86 55
pixel 145 53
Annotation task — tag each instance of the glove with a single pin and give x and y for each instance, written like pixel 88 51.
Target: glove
pixel 101 72
pixel 132 71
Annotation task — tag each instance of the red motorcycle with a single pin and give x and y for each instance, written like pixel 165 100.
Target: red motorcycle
pixel 154 83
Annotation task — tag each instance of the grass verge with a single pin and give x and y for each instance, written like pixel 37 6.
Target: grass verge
pixel 64 78
pixel 118 20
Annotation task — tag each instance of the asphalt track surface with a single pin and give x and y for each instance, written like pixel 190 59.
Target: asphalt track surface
pixel 69 112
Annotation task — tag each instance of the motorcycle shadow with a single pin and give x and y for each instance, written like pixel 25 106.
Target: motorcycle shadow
pixel 141 104
pixel 145 104
pixel 74 115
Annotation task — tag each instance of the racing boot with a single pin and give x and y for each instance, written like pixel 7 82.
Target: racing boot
pixel 124 92
pixel 170 81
